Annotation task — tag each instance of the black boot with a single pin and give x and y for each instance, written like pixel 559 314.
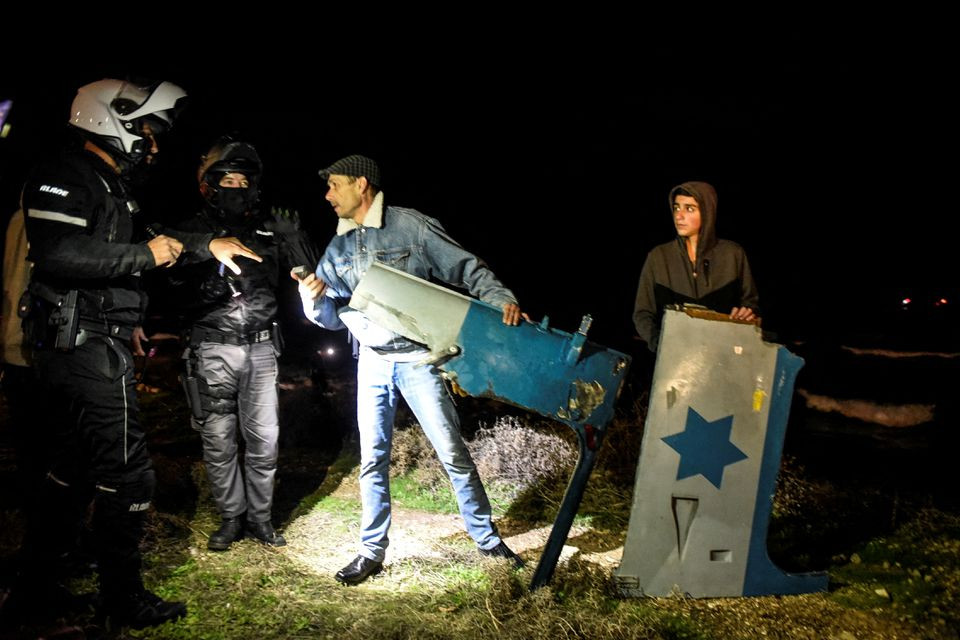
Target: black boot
pixel 140 610
pixel 265 533
pixel 231 530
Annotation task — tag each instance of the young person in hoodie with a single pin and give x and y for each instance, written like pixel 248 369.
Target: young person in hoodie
pixel 695 267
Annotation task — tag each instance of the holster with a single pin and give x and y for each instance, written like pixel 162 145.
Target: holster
pixel 191 386
pixel 277 338
pixel 50 317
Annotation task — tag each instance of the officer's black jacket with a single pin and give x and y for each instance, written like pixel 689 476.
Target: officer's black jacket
pixel 204 289
pixel 79 222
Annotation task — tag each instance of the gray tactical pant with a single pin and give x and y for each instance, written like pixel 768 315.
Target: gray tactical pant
pixel 238 388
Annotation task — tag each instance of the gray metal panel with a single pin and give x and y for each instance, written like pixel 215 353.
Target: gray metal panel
pixel 718 369
pixel 414 308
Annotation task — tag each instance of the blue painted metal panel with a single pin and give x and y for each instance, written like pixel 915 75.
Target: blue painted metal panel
pixel 762 576
pixel 556 374
pixel 530 366
pixel 708 464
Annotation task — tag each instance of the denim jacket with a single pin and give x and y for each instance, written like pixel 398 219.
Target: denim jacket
pixel 404 239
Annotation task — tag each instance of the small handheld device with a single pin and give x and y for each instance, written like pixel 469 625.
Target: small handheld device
pixel 301 271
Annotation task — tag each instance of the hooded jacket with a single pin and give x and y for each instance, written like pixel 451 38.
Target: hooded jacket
pixel 718 279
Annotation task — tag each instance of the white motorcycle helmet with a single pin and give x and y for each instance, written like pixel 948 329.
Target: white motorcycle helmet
pixel 115 111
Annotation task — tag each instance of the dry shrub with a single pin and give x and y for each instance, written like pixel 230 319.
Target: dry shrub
pixel 795 492
pixel 511 452
pixel 620 450
pixel 412 451
pixel 515 453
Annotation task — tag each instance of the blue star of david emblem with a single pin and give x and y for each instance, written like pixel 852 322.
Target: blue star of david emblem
pixel 704 447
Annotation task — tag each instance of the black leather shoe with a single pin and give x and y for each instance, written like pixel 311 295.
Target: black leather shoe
pixel 231 530
pixel 503 551
pixel 359 570
pixel 265 533
pixel 141 610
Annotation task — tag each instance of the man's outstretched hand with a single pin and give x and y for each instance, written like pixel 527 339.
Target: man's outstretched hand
pixel 226 249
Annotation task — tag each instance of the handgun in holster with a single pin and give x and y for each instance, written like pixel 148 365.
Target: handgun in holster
pixel 191 385
pixel 277 337
pixel 65 317
pixel 50 316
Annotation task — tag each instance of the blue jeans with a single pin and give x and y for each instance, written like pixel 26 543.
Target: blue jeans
pixel 378 381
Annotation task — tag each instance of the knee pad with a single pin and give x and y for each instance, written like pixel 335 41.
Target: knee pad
pixel 219 406
pixel 205 400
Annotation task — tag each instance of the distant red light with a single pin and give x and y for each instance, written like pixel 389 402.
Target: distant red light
pixel 907 301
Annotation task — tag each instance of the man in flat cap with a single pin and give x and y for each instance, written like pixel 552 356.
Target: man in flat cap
pixel 405 239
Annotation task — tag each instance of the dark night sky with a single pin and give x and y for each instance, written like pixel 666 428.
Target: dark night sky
pixel 553 162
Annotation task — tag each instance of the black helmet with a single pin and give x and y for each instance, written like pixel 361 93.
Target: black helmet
pixel 228 155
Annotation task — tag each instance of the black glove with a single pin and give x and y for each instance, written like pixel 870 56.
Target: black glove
pixel 283 222
pixel 296 245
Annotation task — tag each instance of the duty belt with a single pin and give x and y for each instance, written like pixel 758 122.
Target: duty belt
pixel 201 334
pixel 104 329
